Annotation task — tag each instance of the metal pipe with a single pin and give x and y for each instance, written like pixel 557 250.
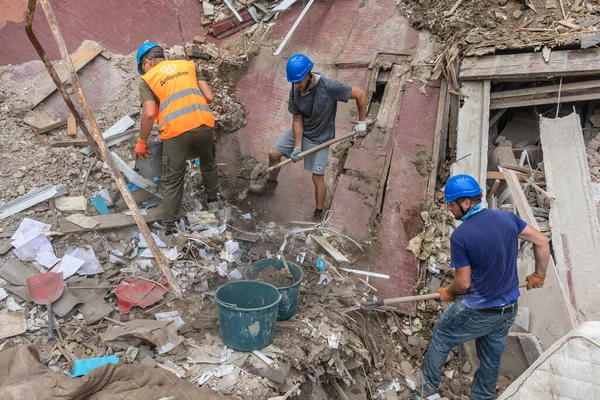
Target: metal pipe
pixel 54 75
pixel 159 256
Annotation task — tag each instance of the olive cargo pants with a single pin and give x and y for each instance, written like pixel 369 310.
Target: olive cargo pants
pixel 196 142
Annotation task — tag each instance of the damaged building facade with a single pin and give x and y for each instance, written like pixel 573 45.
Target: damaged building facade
pixel 506 93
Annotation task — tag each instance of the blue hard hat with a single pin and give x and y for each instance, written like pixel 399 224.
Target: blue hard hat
pixel 141 51
pixel 461 186
pixel 298 66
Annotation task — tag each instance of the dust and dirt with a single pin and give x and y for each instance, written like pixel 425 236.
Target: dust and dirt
pixel 276 277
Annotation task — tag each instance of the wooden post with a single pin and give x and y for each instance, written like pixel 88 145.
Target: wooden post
pixel 99 139
pixel 71 126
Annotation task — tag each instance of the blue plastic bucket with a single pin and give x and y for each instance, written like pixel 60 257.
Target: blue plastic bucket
pixel 289 294
pixel 247 313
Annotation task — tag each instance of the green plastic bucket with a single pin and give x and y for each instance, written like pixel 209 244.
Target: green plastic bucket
pixel 289 294
pixel 247 314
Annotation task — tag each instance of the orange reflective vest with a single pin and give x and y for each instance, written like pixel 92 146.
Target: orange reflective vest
pixel 182 106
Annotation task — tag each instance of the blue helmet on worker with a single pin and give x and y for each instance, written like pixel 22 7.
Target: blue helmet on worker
pixel 461 186
pixel 298 66
pixel 140 53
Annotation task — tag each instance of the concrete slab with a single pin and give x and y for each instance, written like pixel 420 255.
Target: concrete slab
pixel 573 215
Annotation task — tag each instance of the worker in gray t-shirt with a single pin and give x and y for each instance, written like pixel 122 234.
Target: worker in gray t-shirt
pixel 313 104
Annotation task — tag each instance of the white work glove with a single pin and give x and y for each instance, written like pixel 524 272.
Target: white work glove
pixel 360 130
pixel 294 156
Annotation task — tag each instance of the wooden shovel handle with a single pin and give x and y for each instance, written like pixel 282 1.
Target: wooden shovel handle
pixel 307 152
pixel 429 296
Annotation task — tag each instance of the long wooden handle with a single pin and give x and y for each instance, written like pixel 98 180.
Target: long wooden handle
pixel 307 152
pixel 429 296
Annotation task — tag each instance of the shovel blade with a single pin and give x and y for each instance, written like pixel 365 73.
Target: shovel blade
pixel 45 289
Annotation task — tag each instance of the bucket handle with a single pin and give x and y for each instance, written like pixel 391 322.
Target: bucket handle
pixel 228 305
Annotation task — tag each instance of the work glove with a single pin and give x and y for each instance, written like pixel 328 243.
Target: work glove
pixel 360 130
pixel 141 150
pixel 294 156
pixel 535 281
pixel 446 295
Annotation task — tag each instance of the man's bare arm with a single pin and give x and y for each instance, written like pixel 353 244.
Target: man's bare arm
pixel 147 119
pixel 298 130
pixel 206 92
pixel 461 282
pixel 361 102
pixel 541 248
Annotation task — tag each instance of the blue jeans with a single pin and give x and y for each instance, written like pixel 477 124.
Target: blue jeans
pixel 460 324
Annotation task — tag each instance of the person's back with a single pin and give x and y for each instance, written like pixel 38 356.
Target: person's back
pixel 488 243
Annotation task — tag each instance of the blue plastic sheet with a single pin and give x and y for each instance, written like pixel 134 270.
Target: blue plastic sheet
pixel 82 367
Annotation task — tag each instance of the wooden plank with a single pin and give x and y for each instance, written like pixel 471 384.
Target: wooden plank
pixel 111 221
pixel 552 98
pixel 80 58
pixel 554 88
pixel 531 66
pixel 67 143
pixel 547 326
pixel 525 170
pixel 473 131
pixel 439 126
pixel 333 252
pixel 42 122
pixel 71 126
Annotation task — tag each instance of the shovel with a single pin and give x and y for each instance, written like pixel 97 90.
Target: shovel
pixel 45 289
pixel 408 299
pixel 304 154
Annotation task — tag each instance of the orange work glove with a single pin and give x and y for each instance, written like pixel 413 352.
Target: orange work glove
pixel 535 281
pixel 446 295
pixel 141 150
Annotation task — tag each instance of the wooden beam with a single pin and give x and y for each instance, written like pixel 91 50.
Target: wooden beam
pixel 42 122
pixel 525 170
pixel 71 126
pixel 333 252
pixel 439 127
pixel 531 66
pixel 81 58
pixel 112 221
pixel 548 327
pixel 500 176
pixel 552 98
pixel 527 92
pixel 67 143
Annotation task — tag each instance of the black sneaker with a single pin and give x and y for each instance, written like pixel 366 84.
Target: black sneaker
pixel 318 215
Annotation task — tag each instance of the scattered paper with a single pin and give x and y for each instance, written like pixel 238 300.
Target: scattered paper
pixel 410 384
pixel 264 358
pixel 91 265
pixel 225 256
pixel 226 354
pixel 172 253
pixel 35 246
pixel 207 255
pixel 106 196
pixel 334 340
pixel 325 279
pixel 143 244
pixel 222 269
pixel 236 274
pixel 3 294
pixel 205 377
pixel 166 348
pixel 12 305
pixel 300 257
pixel 68 266
pixel 247 216
pixel 27 230
pixel 394 329
pixel 394 385
pixel 224 370
pixel 433 268
pixel 146 253
pixel 47 259
pixel 170 316
pixel 231 246
pixel 434 396
pixel 83 221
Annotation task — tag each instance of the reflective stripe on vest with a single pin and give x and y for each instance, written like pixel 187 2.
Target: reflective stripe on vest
pixel 182 106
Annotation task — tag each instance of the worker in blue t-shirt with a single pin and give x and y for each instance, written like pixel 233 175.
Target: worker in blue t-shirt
pixel 484 258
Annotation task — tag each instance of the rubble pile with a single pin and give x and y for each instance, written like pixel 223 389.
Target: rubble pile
pixel 474 28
